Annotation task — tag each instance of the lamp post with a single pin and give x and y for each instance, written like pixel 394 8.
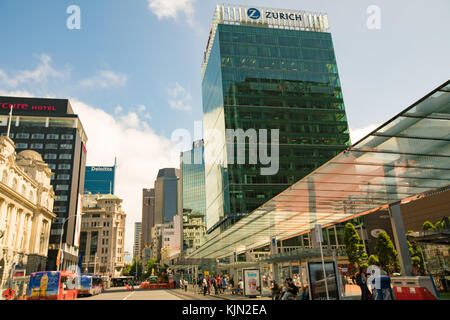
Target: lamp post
pixel 60 238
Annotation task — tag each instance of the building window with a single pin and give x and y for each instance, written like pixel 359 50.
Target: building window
pixel 59 209
pixel 52 146
pixel 67 136
pixel 63 176
pixel 64 166
pixel 52 136
pixel 65 156
pixel 22 145
pixel 52 166
pixel 36 146
pixel 22 136
pixel 11 135
pixel 50 156
pixel 64 187
pixel 66 146
pixel 61 198
pixel 37 136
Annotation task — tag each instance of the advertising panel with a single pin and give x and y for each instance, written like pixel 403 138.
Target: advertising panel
pixel 317 281
pixel 34 106
pixel 252 282
pixel 44 284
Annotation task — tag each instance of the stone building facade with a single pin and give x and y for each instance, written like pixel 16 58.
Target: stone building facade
pixel 102 235
pixel 26 210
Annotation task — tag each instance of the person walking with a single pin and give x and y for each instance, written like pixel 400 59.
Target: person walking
pixel 361 281
pixel 241 287
pixel 224 284
pixel 275 290
pixel 205 286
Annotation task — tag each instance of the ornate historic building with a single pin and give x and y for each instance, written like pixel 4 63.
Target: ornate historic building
pixel 26 210
pixel 102 235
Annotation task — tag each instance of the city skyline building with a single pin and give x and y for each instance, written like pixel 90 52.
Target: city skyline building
pixel 137 240
pixel 50 127
pixel 102 239
pixel 269 74
pixel 148 216
pixel 168 195
pixel 194 198
pixel 100 179
pixel 26 210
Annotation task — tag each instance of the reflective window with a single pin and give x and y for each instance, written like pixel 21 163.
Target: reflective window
pixel 37 136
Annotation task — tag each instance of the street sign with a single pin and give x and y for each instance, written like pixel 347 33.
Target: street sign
pixel 19 273
pixel 8 294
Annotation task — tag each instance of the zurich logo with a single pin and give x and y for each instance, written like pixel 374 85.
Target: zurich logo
pixel 253 13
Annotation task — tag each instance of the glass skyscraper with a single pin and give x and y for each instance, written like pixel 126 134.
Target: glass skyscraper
pixel 193 178
pixel 99 180
pixel 267 69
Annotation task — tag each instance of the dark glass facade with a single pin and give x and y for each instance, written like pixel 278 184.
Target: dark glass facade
pixel 99 180
pixel 49 127
pixel 268 78
pixel 193 178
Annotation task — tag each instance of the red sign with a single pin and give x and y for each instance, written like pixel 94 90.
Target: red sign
pixel 8 294
pixel 26 107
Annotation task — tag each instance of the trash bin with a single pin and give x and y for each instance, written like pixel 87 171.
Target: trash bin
pixel 414 288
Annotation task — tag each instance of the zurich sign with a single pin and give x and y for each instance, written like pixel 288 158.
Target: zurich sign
pixel 253 13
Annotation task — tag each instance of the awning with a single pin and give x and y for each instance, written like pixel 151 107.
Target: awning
pixel 406 156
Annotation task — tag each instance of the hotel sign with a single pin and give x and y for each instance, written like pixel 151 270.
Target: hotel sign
pixel 29 106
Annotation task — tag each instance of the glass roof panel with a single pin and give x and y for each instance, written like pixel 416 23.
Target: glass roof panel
pixel 408 155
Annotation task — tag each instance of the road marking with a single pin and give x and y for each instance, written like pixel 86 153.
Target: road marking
pixel 127 296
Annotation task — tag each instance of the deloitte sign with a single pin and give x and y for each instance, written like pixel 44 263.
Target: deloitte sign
pixel 255 14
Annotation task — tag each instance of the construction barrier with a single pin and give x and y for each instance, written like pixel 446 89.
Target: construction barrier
pixel 151 286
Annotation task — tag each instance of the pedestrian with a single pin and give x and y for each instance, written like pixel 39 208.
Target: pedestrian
pixel 275 290
pixel 361 281
pixel 241 287
pixel 205 286
pixel 215 286
pixel 232 283
pixel 219 284
pixel 305 293
pixel 291 290
pixel 380 284
pixel 224 284
pixel 185 282
pixel 181 283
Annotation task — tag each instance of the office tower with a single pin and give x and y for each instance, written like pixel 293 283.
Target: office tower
pixel 102 237
pixel 194 199
pixel 50 127
pixel 168 195
pixel 148 216
pixel 137 240
pixel 99 179
pixel 267 69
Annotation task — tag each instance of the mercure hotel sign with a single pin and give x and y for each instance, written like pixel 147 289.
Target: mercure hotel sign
pixel 33 105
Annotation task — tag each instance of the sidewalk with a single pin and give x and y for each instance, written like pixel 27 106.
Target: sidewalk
pixel 226 296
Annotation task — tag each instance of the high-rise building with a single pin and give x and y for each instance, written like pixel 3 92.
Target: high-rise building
pixel 148 216
pixel 168 195
pixel 50 127
pixel 194 199
pixel 137 240
pixel 99 179
pixel 267 69
pixel 102 239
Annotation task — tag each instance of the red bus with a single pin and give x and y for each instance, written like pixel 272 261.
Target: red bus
pixel 53 285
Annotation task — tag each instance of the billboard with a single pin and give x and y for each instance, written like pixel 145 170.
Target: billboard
pixel 44 284
pixel 252 282
pixel 99 180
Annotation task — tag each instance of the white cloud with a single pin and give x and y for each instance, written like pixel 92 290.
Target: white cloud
pixel 105 79
pixel 118 109
pixel 43 72
pixel 171 8
pixel 179 98
pixel 139 150
pixel 141 108
pixel 359 133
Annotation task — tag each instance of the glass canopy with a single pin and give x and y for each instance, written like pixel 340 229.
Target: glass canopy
pixel 406 156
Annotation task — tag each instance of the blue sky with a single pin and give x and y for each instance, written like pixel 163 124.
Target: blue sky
pixel 133 70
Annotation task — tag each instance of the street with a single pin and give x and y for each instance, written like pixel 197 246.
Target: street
pixel 120 293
